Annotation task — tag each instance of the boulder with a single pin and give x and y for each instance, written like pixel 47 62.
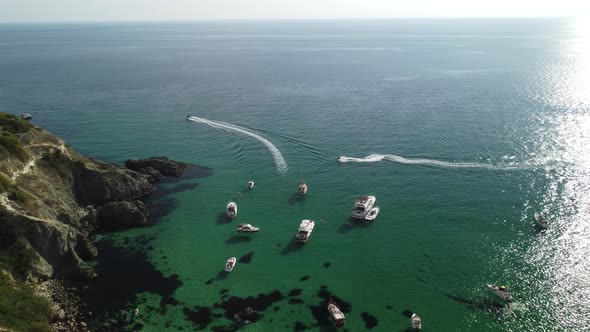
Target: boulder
pixel 163 165
pixel 152 173
pixel 123 214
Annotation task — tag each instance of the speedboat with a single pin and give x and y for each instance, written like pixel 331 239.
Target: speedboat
pixel 305 229
pixel 229 266
pixel 26 116
pixel 302 190
pixel 541 221
pixel 373 212
pixel 416 322
pixel 250 184
pixel 362 206
pixel 335 314
pixel 231 210
pixel 247 228
pixel 501 291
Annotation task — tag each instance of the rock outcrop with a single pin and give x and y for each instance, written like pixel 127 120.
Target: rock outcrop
pixel 123 214
pixel 52 197
pixel 163 165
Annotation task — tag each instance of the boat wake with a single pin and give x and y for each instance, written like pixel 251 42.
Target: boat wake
pixel 280 162
pixel 422 161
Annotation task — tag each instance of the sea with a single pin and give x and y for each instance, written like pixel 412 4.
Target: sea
pixel 461 128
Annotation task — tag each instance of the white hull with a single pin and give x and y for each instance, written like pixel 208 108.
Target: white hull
pixel 231 210
pixel 372 214
pixel 541 221
pixel 504 295
pixel 247 228
pixel 250 184
pixel 336 315
pixel 416 322
pixel 362 206
pixel 305 229
pixel 231 263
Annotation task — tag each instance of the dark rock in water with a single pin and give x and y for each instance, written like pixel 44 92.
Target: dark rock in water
pixel 295 301
pixel 123 214
pixel 85 249
pixel 295 292
pixel 223 291
pixel 299 326
pixel 152 173
pixel 168 300
pixel 388 306
pixel 163 165
pixel 137 327
pixel 236 304
pixel 327 264
pixel 370 320
pixel 247 258
pixel 304 278
pixel 200 316
pixel 323 287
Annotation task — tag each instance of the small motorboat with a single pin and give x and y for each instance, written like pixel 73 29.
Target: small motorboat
pixel 250 184
pixel 541 221
pixel 501 291
pixel 247 228
pixel 373 212
pixel 231 210
pixel 26 116
pixel 335 314
pixel 229 266
pixel 302 190
pixel 304 231
pixel 416 322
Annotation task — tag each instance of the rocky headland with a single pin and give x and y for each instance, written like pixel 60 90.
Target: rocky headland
pixel 52 199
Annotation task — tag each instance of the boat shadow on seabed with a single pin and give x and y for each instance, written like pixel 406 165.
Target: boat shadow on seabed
pixel 351 223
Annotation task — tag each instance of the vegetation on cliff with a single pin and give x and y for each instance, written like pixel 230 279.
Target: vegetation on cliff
pixel 10 145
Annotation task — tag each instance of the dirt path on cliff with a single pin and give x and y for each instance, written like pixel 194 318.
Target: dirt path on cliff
pixel 29 165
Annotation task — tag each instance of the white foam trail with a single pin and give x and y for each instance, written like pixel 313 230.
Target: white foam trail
pixel 420 161
pixel 276 154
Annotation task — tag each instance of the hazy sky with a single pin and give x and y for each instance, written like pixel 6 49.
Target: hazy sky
pixel 132 10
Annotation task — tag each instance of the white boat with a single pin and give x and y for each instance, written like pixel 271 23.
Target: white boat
pixel 231 210
pixel 373 212
pixel 302 190
pixel 362 206
pixel 305 229
pixel 335 314
pixel 26 116
pixel 229 266
pixel 541 221
pixel 416 322
pixel 250 184
pixel 247 228
pixel 501 291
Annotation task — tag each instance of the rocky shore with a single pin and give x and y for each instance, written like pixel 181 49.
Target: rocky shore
pixel 52 199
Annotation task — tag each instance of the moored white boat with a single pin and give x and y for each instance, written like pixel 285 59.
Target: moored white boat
pixel 373 212
pixel 362 206
pixel 501 291
pixel 231 210
pixel 302 190
pixel 247 228
pixel 541 221
pixel 416 322
pixel 250 184
pixel 26 116
pixel 335 314
pixel 305 229
pixel 231 263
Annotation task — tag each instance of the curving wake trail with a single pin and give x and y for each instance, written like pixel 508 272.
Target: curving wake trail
pixel 276 154
pixel 422 161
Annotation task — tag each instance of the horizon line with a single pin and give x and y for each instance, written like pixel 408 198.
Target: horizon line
pixel 222 20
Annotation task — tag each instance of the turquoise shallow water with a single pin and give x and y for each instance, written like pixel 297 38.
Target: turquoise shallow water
pixel 461 128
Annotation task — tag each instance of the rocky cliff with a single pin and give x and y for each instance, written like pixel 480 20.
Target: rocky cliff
pixel 51 197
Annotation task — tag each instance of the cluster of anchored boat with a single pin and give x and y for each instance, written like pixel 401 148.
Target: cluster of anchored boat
pixel 364 208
